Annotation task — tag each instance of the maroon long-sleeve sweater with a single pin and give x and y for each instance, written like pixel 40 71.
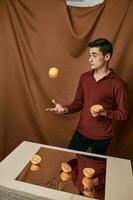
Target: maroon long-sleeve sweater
pixel 110 92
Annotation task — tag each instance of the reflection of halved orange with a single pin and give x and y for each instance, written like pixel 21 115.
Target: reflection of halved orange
pixel 35 167
pixel 88 193
pixel 65 176
pixel 87 182
pixel 36 159
pixel 88 172
pixel 66 168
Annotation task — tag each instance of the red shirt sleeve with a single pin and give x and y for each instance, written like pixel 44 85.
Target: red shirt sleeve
pixel 77 104
pixel 121 102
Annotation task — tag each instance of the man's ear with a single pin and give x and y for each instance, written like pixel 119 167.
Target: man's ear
pixel 107 57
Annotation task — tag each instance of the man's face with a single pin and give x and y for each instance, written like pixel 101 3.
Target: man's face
pixel 96 58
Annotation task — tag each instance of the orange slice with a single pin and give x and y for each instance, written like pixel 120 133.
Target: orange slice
pixel 65 167
pixel 88 172
pixel 36 159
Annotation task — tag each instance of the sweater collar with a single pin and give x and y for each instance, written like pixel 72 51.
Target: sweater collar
pixel 110 75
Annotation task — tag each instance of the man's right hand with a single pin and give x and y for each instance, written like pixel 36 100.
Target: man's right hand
pixel 58 109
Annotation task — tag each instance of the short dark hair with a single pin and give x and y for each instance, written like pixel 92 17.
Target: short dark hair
pixel 104 45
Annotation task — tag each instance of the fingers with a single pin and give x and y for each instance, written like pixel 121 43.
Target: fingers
pixel 94 114
pixel 54 110
pixel 58 112
pixel 53 101
pixel 50 109
pixel 58 109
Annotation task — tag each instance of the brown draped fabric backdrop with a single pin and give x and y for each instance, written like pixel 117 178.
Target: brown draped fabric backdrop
pixel 37 35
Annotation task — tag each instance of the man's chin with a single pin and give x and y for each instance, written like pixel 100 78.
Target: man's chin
pixel 93 67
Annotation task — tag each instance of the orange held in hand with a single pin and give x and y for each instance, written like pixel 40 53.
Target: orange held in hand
pixel 53 72
pixel 97 108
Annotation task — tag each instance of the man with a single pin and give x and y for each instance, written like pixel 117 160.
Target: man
pixel 98 86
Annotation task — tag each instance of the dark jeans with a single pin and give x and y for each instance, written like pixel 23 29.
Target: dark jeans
pixel 82 143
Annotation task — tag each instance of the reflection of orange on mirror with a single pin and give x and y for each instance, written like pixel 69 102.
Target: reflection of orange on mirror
pixel 65 176
pixel 88 193
pixel 35 167
pixel 97 108
pixel 88 172
pixel 66 168
pixel 36 159
pixel 87 182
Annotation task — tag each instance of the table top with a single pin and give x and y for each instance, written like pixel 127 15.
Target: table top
pixel 119 179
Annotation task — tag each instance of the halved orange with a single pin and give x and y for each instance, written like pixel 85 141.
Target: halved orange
pixel 65 167
pixel 36 159
pixel 88 172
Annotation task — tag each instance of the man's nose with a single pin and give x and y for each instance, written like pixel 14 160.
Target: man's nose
pixel 90 59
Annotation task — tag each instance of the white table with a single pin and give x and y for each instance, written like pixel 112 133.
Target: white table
pixel 119 178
